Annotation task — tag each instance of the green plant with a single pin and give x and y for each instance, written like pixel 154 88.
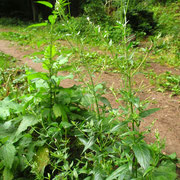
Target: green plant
pixel 167 18
pixel 11 22
pixel 12 81
pixel 96 11
pixel 6 61
pixel 169 82
pixel 13 36
pixel 165 82
pixel 51 132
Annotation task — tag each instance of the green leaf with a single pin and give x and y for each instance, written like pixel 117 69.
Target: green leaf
pixel 75 174
pixel 65 124
pixel 6 106
pixel 148 112
pixel 25 123
pixel 142 154
pixel 98 87
pixel 88 178
pixel 41 85
pixel 173 156
pixel 59 78
pixel 64 96
pixel 48 4
pixel 4 112
pixel 7 153
pixel 61 60
pixel 52 19
pixel 118 173
pixel 115 128
pixel 49 52
pixel 59 111
pixel 42 159
pixel 39 43
pixel 64 115
pixel 37 25
pixel 39 75
pixel 89 144
pixel 98 175
pixel 166 171
pixel 7 174
pixel 105 101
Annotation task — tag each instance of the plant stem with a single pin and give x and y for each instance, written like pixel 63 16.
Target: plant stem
pixel 94 94
pixel 128 79
pixel 51 73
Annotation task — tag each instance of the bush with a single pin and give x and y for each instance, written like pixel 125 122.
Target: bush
pixel 141 21
pixel 11 21
pixel 96 11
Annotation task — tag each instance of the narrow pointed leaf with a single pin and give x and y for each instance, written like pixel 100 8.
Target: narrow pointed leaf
pixel 88 144
pixel 37 25
pixel 98 176
pixel 121 171
pixel 148 112
pixel 93 147
pixel 105 101
pixel 45 3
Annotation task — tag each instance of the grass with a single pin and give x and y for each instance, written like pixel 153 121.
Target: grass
pixel 167 40
pixel 165 82
pixel 6 61
pixel 11 79
pixel 164 50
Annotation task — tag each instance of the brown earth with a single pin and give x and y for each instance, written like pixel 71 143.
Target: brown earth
pixel 167 118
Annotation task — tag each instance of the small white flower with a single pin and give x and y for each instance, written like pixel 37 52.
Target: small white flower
pixel 99 29
pixel 57 5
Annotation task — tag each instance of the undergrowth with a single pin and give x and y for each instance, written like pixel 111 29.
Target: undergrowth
pixel 11 77
pixel 165 82
pixel 51 132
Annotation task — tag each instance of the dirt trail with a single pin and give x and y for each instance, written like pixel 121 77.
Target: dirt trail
pixel 8 48
pixel 168 118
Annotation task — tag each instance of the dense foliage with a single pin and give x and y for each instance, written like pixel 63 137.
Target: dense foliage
pixel 51 132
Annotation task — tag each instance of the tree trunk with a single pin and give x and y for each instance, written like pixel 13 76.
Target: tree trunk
pixel 34 10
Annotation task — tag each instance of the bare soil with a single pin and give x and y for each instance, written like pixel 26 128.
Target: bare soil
pixel 167 118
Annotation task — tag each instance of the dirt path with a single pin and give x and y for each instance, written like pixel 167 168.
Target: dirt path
pixel 167 119
pixel 8 48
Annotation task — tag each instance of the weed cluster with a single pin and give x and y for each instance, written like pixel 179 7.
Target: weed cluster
pixel 12 80
pixel 51 132
pixel 166 82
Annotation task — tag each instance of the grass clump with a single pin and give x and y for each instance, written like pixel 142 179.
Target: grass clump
pixel 6 61
pixel 170 82
pixel 165 82
pixel 11 81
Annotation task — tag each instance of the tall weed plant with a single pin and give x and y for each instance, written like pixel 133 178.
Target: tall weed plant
pixel 57 133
